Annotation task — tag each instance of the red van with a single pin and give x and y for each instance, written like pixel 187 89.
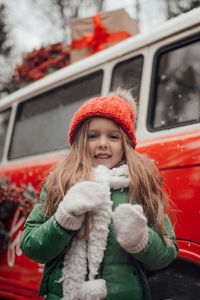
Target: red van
pixel 162 67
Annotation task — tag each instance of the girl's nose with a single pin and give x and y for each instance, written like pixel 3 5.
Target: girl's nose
pixel 102 142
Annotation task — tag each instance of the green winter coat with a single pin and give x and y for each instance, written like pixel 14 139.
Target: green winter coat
pixel 44 241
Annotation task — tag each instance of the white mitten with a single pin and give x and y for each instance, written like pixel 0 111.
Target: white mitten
pixel 131 227
pixel 83 197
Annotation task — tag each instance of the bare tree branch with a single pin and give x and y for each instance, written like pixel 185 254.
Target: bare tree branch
pixel 177 7
pixel 137 10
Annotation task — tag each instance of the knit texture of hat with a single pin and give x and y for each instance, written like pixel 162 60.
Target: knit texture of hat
pixel 113 108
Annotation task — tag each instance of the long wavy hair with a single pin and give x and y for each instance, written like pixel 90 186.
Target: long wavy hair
pixel 145 183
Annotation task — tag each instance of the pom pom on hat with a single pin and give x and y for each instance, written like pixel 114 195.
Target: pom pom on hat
pixel 112 107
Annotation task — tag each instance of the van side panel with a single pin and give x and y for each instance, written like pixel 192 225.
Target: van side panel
pixel 178 158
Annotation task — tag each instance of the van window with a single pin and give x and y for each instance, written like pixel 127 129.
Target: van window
pixel 127 74
pixel 176 82
pixel 4 120
pixel 42 122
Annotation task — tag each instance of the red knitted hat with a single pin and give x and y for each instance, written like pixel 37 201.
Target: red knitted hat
pixel 113 108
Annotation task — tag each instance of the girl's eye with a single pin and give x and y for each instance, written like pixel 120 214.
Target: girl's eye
pixel 114 137
pixel 92 136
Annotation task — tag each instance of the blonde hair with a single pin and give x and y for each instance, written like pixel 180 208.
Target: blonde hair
pixel 146 186
pixel 68 171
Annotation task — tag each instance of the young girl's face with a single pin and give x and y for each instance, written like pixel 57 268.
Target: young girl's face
pixel 104 143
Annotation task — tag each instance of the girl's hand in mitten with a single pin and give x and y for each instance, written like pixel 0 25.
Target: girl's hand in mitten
pixel 83 197
pixel 131 227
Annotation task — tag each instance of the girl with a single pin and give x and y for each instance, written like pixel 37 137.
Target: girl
pixel 100 222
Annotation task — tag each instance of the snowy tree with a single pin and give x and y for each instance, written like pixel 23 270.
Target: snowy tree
pixel 5 50
pixel 4 46
pixel 177 7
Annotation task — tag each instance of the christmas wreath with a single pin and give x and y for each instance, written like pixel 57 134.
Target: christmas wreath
pixel 13 196
pixel 41 62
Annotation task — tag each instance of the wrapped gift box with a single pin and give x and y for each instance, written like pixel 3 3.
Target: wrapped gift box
pixel 93 34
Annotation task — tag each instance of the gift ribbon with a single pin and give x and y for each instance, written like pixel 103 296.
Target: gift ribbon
pixel 97 40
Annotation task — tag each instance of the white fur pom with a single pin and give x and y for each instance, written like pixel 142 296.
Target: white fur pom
pixel 93 290
pixel 126 95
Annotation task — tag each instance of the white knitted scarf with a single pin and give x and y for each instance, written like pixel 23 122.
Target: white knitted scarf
pixel 86 256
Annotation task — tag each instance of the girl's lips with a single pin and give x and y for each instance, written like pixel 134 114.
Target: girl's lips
pixel 102 156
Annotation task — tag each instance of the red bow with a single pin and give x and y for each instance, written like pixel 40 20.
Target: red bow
pixel 97 40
